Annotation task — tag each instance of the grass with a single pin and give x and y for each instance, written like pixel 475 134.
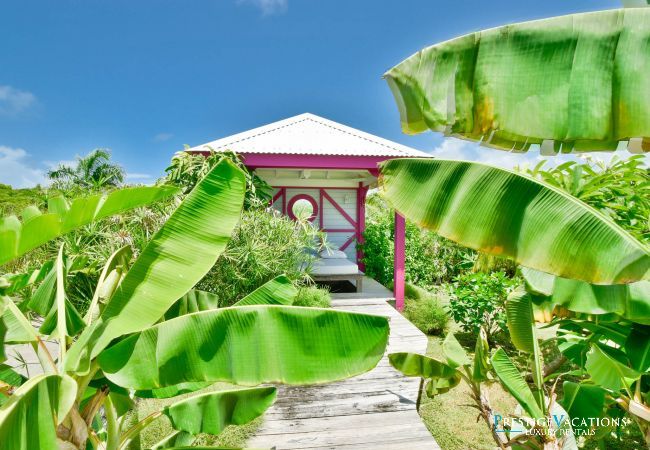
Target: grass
pixel 234 436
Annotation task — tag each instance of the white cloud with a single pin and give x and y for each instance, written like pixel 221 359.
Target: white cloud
pixel 134 176
pixel 162 137
pixel 14 101
pixel 15 170
pixel 267 7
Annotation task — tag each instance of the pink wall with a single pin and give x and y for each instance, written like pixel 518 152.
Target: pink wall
pixel 399 263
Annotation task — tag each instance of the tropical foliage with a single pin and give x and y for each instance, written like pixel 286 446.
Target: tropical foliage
pixel 264 245
pixel 187 169
pixel 425 310
pixel 478 301
pixel 94 171
pixel 487 86
pixel 469 209
pixel 144 311
pixel 619 189
pixel 430 259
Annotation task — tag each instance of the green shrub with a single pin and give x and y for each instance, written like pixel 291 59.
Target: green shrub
pixel 429 260
pixel 312 296
pixel 424 310
pixel 478 300
pixel 263 246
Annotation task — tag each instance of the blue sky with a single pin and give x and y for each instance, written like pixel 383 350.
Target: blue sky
pixel 144 77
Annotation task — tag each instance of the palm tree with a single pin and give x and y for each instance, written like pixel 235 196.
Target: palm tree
pixel 94 171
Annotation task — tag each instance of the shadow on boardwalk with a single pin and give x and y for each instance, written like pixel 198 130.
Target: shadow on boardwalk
pixel 375 410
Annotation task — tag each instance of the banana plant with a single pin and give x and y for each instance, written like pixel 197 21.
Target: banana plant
pixel 542 228
pixel 544 84
pixel 148 334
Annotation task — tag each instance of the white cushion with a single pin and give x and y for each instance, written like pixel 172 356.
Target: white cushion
pixel 334 267
pixel 332 254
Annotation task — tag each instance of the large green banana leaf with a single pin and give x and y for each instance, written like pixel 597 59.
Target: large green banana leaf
pixel 248 345
pixel 609 371
pixel 195 300
pixel 17 238
pixel 582 402
pixel 514 383
pixel 507 214
pixel 278 291
pixel 571 83
pixel 29 418
pixel 521 323
pixel 441 377
pixel 630 301
pixel 175 259
pixel 214 411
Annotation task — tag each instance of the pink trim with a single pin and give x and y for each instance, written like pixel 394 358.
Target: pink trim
pixel 339 230
pixel 398 274
pixel 339 209
pixel 349 188
pixel 284 201
pixel 361 223
pixel 256 160
pixel 320 203
pixel 310 199
pixel 347 243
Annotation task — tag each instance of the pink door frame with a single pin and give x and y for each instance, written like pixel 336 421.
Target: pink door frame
pixel 369 163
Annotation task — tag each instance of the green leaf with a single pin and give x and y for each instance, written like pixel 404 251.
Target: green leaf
pixel 481 367
pixel 637 348
pixel 455 354
pixel 278 291
pixel 214 411
pixel 18 238
pixel 173 261
pixel 174 440
pixel 19 330
pixel 115 267
pixel 173 391
pixel 248 345
pixel 193 301
pixel 507 214
pixel 608 371
pixel 521 323
pixel 515 384
pixel 630 301
pixel 582 402
pixel 487 86
pixel 414 365
pixel 29 418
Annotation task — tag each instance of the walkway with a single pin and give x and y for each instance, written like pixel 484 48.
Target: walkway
pixel 372 411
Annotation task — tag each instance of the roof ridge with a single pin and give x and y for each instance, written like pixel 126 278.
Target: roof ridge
pixel 355 135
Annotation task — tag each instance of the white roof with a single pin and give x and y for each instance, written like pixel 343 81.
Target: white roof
pixel 308 134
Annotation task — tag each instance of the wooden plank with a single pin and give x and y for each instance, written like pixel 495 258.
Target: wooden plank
pixel 375 410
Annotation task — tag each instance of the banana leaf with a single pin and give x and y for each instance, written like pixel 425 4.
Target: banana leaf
pixel 574 83
pixel 214 411
pixel 17 238
pixel 630 301
pixel 514 383
pixel 441 377
pixel 583 401
pixel 520 321
pixel 507 214
pixel 278 291
pixel 29 418
pixel 248 345
pixel 609 370
pixel 173 261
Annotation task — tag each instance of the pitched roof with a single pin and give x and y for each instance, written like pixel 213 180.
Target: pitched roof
pixel 308 134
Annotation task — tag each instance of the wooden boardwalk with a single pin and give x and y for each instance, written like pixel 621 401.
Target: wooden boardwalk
pixel 375 410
